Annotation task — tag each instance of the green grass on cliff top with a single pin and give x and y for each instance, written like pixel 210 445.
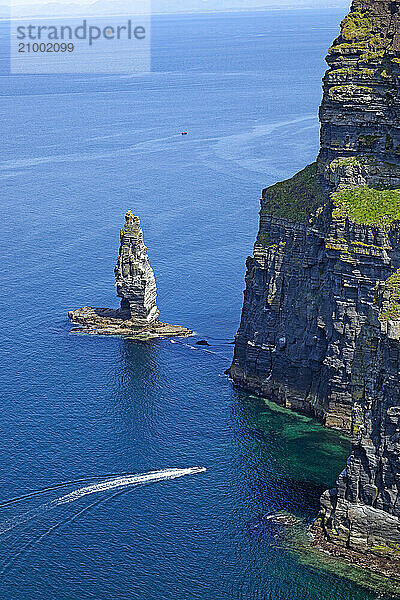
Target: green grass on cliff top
pixel 360 31
pixel 358 26
pixel 368 206
pixel 295 199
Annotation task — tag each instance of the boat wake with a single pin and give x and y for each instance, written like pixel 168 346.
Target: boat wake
pixel 117 483
pixel 122 482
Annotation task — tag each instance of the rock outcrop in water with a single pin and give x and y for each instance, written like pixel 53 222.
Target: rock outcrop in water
pixel 136 286
pixel 316 335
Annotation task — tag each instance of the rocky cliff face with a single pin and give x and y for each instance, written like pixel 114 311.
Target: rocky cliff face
pixel 363 512
pixel 134 277
pixel 329 234
pixel 320 328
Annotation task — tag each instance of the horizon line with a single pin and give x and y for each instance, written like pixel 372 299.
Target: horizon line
pixel 279 8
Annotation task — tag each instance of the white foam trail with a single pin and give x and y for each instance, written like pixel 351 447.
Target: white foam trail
pixel 103 486
pixel 8 565
pixel 129 480
pixel 50 489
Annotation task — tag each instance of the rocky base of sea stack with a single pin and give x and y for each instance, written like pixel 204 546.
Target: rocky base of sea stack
pixel 386 567
pixel 106 321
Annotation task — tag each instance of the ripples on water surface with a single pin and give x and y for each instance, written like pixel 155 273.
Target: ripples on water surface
pixel 81 411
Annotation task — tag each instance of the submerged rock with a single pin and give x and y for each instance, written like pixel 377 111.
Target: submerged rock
pixel 136 286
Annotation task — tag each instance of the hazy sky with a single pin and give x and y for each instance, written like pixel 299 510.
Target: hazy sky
pixel 207 5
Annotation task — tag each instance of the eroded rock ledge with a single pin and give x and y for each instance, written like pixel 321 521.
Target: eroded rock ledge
pixel 387 566
pixel 138 316
pixel 106 321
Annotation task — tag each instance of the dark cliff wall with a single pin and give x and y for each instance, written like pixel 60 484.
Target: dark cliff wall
pixel 327 235
pixel 362 512
pixel 320 328
pixel 359 113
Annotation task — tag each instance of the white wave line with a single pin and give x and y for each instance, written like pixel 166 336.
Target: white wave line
pixel 52 488
pixel 122 482
pixel 21 519
pixel 8 565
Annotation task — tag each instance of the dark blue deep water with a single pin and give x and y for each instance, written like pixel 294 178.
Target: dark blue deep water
pixel 76 153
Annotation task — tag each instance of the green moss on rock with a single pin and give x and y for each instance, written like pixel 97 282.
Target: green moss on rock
pixel 368 140
pixel 386 74
pixel 343 92
pixel 392 312
pixel 359 161
pixel 295 199
pixel 368 206
pixel 372 55
pixel 389 144
pixel 357 26
pixel 375 44
pixel 352 71
pixel 264 239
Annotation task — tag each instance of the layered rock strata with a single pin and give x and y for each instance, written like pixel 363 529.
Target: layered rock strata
pixel 362 513
pixel 134 277
pixel 330 233
pixel 320 327
pixel 136 286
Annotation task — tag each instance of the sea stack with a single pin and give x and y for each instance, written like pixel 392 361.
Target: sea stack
pixel 320 328
pixel 134 277
pixel 138 316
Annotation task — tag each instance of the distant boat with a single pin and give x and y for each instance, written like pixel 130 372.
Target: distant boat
pixel 184 132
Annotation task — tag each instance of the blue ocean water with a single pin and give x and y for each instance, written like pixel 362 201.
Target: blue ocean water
pixel 77 152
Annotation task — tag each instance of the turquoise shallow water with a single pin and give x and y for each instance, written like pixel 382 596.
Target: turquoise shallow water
pixel 77 152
